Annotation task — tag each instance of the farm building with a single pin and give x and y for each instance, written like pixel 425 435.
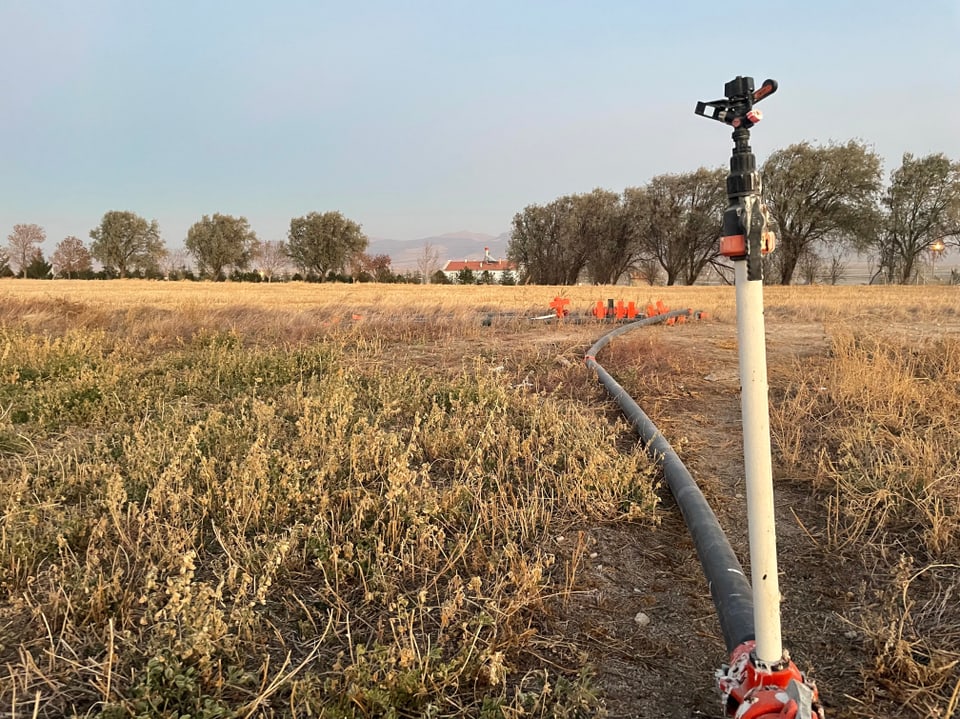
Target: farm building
pixel 496 268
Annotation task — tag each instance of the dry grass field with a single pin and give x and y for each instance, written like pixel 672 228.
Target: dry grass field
pixel 238 500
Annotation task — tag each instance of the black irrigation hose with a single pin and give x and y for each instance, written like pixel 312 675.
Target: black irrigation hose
pixel 728 585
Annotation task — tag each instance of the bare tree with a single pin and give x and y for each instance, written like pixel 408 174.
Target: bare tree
pixel 809 266
pixel 836 270
pixel 176 264
pixel 273 258
pixel 24 243
pixel 70 257
pixel 648 271
pixel 428 262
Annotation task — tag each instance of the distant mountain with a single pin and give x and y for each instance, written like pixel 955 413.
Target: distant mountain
pixel 463 245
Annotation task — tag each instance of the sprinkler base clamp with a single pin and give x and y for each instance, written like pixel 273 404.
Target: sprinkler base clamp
pixel 754 691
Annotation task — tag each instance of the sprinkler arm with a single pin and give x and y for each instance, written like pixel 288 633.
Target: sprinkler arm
pixel 747 229
pixel 736 109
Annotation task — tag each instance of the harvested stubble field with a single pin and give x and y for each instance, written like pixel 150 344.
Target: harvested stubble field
pixel 358 501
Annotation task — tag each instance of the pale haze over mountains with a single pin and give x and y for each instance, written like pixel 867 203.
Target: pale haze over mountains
pixel 462 245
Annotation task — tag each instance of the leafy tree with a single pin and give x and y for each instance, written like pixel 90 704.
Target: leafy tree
pixel 24 244
pixel 556 243
pixel 325 242
pixel 71 258
pixel 534 244
pixel 820 195
pixel 921 206
pixel 124 242
pixel 507 278
pixel 372 268
pixel 5 270
pixel 219 241
pixel 39 268
pixel 380 265
pixel 543 245
pixel 615 247
pixel 681 226
pixel 439 278
pixel 466 277
pixel 706 199
pixel 675 220
pixel 585 219
pixel 241 276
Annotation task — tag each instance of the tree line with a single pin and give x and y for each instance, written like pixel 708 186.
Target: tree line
pixel 321 246
pixel 821 198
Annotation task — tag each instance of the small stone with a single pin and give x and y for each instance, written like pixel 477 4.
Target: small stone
pixel 594 555
pixel 850 635
pixel 641 619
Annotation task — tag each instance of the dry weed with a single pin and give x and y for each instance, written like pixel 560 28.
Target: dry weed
pixel 876 425
pixel 201 522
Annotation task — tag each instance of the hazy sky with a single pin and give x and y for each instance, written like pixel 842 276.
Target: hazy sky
pixel 417 118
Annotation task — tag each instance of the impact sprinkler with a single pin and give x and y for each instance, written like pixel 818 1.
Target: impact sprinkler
pixel 760 681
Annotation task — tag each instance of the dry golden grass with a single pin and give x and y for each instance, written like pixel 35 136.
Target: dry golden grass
pixel 244 500
pixel 226 510
pixel 61 302
pixel 877 427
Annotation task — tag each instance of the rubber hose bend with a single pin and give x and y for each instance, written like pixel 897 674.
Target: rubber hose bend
pixel 729 586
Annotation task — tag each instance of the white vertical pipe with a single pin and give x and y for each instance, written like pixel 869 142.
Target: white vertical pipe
pixel 758 468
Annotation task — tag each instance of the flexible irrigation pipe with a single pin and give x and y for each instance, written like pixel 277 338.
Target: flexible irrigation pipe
pixel 728 584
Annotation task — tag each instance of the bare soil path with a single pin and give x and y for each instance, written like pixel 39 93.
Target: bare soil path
pixel 686 379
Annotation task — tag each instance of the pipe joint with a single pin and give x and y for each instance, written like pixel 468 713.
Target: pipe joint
pixel 752 690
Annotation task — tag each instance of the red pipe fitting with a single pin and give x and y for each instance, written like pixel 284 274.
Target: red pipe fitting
pixel 755 692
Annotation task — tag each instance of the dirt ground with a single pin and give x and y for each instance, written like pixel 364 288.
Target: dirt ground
pixel 665 669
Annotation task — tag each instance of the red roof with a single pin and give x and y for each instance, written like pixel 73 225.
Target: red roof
pixel 479 266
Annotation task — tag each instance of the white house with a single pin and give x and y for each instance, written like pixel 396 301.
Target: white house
pixel 496 268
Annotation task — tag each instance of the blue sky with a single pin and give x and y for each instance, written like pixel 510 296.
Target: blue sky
pixel 418 118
